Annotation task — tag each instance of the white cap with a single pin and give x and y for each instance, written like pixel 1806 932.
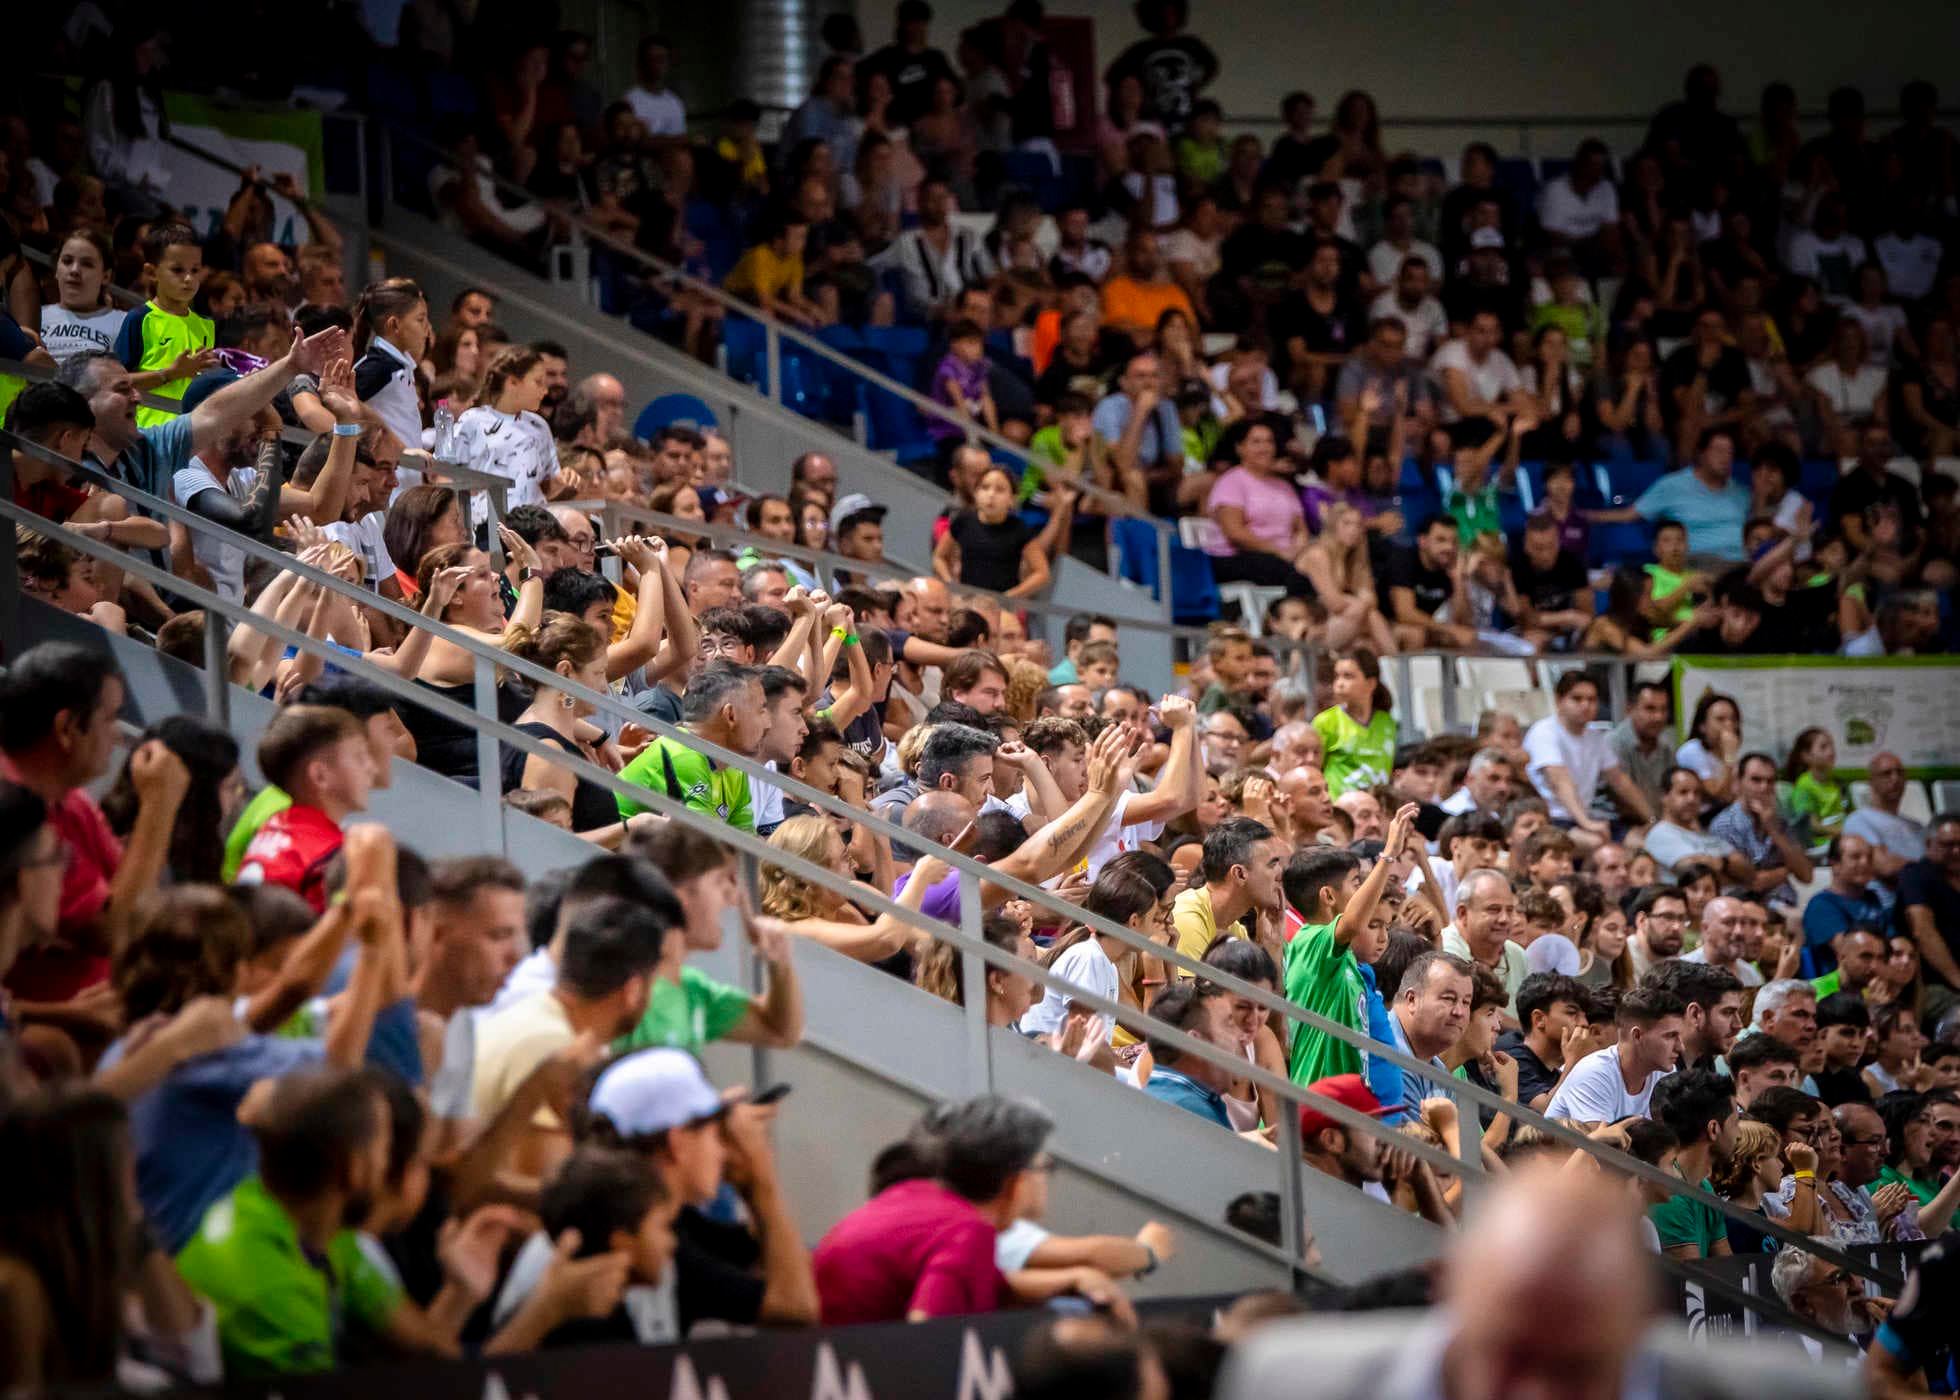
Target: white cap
pixel 653 1090
pixel 1553 952
pixel 857 503
pixel 1487 238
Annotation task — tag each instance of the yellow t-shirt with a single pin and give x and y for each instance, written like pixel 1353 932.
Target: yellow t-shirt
pixel 1196 924
pixel 761 272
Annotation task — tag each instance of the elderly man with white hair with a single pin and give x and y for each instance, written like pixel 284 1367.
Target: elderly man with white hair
pixel 1826 1297
pixel 1486 784
pixel 1786 1012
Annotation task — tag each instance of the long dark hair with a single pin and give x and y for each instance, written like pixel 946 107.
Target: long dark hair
pixel 128 88
pixel 65 1216
pixel 197 843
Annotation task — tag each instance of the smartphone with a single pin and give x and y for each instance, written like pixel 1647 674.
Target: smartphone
pixel 775 1093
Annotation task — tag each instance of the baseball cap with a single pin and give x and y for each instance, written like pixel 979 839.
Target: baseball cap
pixel 1553 952
pixel 654 1090
pixel 1344 1089
pixel 852 506
pixel 1487 238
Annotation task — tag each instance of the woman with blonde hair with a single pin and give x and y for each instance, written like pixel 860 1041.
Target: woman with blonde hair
pixel 1025 681
pixel 827 916
pixel 1337 562
pixel 1009 994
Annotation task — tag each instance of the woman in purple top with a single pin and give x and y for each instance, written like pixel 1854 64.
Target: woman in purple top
pixel 1574 534
pixel 960 382
pixel 1337 477
pixel 1262 528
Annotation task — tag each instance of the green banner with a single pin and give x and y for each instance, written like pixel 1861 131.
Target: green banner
pixel 1907 705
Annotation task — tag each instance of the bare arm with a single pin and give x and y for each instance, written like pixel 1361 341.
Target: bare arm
pixel 1932 948
pixel 775 1018
pixel 1034 571
pixel 1180 782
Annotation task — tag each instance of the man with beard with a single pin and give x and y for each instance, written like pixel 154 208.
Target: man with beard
pixel 1362 1159
pixel 1827 1297
pixel 1660 921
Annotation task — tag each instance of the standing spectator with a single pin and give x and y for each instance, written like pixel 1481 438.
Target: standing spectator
pixel 320 758
pixel 1754 825
pixel 1173 67
pixel 391 335
pixel 1617 1082
pixel 1569 760
pixel 909 63
pixel 991 547
pixel 658 107
pixel 1357 733
pixel 164 344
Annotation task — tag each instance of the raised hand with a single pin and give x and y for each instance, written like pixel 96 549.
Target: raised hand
pixel 158 774
pixel 337 391
pixel 192 363
pixel 516 550
pixel 1177 712
pixel 312 354
pixel 469 1250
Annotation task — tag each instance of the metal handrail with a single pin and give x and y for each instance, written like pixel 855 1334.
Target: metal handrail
pixel 973 873
pixel 1112 505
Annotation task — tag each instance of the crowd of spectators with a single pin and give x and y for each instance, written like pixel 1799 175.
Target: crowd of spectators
pixel 373 1104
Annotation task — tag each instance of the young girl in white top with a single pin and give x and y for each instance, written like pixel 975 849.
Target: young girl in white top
pixel 503 434
pixel 83 320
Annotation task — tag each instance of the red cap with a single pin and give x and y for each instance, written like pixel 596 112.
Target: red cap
pixel 1349 1091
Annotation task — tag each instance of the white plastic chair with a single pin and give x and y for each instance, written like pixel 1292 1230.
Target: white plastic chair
pixel 1251 599
pixel 1946 795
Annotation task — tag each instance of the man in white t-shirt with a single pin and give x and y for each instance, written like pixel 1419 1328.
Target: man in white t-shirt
pixel 1408 300
pixel 1581 204
pixel 659 109
pixel 1616 1083
pixel 1479 381
pixel 1568 760
pixel 1399 243
pixel 1135 817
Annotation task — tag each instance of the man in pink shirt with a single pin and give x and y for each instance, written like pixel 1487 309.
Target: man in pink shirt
pixel 925 1247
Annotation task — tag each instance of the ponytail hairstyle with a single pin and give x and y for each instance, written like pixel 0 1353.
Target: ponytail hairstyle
pixel 511 362
pixel 939 970
pixel 559 636
pixel 1371 667
pixel 1118 895
pixel 380 303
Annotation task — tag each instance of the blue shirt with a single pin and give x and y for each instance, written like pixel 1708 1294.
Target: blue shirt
pixel 1714 519
pixel 1736 826
pixel 1187 1094
pixel 1162 436
pixel 152 462
pixel 1383 1078
pixel 1415 1088
pixel 1826 916
pixel 191 1150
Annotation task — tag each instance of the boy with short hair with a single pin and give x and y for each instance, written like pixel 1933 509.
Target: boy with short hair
pixel 1325 886
pixel 1099 665
pixel 318 756
pixel 1229 651
pixel 1540 914
pixel 1672 599
pixel 163 343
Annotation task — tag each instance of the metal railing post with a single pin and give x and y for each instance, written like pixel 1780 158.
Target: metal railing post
pixel 751 972
pixel 9 567
pixel 217 672
pixel 489 761
pixel 1292 1205
pixel 973 992
pixel 1616 692
pixel 1164 572
pixel 772 347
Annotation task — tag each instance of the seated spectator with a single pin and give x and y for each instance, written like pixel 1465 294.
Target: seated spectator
pixel 1261 525
pixel 1139 428
pixel 1178 1077
pixel 1617 1082
pixel 936 261
pixel 1427 1014
pixel 1423 590
pixel 1481 387
pixel 1336 563
pixel 1679 837
pixel 770 274
pixel 1581 209
pixel 1895 840
pixel 1135 299
pixel 924 1248
pixel 1754 825
pixel 1408 299
pixel 1705 499
pixel 1569 760
pixel 1698 1107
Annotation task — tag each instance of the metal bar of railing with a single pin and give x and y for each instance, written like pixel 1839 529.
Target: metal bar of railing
pixel 974 949
pixel 1139 1022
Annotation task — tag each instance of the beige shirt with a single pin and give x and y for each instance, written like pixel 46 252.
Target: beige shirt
pixel 513 1042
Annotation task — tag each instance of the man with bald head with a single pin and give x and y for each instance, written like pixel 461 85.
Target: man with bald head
pixel 594 412
pixel 1547 1293
pixel 1295 745
pixel 1071 701
pixel 1365 812
pixel 1863 1148
pixel 1897 840
pixel 1313 809
pixel 1721 941
pixel 814 474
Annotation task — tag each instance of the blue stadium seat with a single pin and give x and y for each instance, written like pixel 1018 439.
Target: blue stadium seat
pixel 670 409
pixel 1135 546
pixel 894 426
pixel 1194 592
pixel 1624 481
pixel 1629 543
pixel 450 94
pixel 1819 479
pixel 1517 178
pixel 746 344
pixel 1510 514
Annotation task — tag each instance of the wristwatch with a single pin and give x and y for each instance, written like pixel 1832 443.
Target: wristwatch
pixel 1151 1267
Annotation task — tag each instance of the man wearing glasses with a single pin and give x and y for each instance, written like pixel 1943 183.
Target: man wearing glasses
pixel 1225 740
pixel 1863 1143
pixel 1660 920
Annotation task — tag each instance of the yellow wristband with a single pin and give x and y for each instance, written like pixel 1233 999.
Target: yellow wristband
pixel 1805 1176
pixel 838 632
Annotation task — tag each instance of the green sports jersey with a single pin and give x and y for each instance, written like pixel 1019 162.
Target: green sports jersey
pixel 280 1309
pixel 1666 584
pixel 1820 806
pixel 154 339
pixel 686 1015
pixel 690 777
pixel 269 802
pixel 1679 1221
pixel 1322 976
pixel 1357 755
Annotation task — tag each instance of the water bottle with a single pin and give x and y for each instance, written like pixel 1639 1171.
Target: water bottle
pixel 443 447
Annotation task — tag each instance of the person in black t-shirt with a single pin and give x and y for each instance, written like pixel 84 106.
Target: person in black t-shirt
pixel 1873 483
pixel 1316 329
pixel 909 65
pixel 1706 380
pixel 1172 67
pixel 1421 579
pixel 1552 1012
pixel 1553 584
pixel 1795 620
pixel 993 548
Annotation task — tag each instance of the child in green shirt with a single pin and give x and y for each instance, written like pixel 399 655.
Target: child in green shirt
pixel 1817 800
pixel 1357 736
pixel 163 343
pixel 1201 153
